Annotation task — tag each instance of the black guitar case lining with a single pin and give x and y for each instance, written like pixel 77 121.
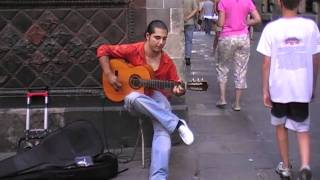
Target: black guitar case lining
pixel 57 153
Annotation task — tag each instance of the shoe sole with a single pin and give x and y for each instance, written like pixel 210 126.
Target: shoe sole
pixel 186 125
pixel 283 177
pixel 236 109
pixel 307 175
pixel 221 106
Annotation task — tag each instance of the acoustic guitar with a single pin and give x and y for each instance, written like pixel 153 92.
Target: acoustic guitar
pixel 137 78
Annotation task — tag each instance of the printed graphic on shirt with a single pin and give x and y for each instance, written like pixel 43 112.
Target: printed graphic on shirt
pixel 292 41
pixel 291 53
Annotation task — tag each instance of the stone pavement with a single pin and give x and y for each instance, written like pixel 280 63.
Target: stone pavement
pixel 228 145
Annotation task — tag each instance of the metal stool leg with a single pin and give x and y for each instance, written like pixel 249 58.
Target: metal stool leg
pixel 142 142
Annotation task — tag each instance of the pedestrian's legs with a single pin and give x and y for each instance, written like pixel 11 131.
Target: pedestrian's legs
pixel 225 53
pixel 215 42
pixel 241 59
pixel 206 26
pixel 304 148
pixel 237 100
pixel 283 144
pixel 251 32
pixel 222 90
pixel 188 34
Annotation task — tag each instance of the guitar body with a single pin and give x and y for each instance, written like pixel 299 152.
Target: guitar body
pixel 126 74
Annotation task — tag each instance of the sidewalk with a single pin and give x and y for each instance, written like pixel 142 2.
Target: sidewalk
pixel 228 145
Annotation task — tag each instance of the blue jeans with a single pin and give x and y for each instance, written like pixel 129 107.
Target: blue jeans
pixel 158 109
pixel 207 25
pixel 188 36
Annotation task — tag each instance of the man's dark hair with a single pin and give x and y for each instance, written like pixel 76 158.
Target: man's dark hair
pixel 156 24
pixel 290 4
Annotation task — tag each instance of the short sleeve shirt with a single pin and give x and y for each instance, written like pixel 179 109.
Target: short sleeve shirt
pixel 188 7
pixel 290 43
pixel 236 13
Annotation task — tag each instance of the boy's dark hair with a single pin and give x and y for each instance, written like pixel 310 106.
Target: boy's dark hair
pixel 290 4
pixel 156 24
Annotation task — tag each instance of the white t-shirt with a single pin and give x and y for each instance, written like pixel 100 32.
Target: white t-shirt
pixel 290 42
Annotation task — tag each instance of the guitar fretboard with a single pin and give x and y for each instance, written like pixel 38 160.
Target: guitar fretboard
pixel 158 84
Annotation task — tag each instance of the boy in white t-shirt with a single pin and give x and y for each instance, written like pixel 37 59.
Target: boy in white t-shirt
pixel 291 47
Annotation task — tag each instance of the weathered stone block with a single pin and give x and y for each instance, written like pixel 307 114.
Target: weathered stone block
pixel 161 14
pixel 177 20
pixel 9 36
pixel 24 49
pixel 74 21
pixel 173 4
pixel 48 21
pixel 22 22
pixel 62 35
pixel 175 45
pixel 35 34
pixel 154 4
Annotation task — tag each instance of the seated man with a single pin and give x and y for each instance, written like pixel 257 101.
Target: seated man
pixel 154 104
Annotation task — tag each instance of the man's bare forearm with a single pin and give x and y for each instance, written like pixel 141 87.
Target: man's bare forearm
pixel 104 62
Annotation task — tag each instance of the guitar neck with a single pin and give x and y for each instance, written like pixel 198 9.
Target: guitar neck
pixel 158 84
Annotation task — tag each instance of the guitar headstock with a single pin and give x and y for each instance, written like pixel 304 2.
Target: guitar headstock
pixel 197 85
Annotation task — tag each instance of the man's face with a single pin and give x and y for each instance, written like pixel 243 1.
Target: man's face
pixel 157 40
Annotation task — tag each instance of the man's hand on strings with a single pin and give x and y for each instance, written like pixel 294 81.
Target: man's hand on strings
pixel 113 80
pixel 178 90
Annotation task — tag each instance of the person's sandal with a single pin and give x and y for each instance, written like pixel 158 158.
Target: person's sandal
pixel 236 108
pixel 221 105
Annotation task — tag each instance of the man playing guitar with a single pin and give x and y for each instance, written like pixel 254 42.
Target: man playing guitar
pixel 153 102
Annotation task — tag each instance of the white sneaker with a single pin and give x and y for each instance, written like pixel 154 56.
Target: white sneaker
pixel 282 171
pixel 305 174
pixel 185 133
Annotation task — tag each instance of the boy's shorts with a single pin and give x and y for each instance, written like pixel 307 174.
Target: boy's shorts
pixel 294 115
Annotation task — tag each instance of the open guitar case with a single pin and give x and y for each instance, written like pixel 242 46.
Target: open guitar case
pixel 75 151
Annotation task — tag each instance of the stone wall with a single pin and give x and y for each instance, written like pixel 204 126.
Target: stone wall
pixel 55 46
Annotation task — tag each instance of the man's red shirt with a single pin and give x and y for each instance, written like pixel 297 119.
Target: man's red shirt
pixel 135 55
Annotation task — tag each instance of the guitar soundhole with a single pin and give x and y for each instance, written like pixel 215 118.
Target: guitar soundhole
pixel 135 82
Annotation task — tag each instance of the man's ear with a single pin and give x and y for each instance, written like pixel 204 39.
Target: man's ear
pixel 147 36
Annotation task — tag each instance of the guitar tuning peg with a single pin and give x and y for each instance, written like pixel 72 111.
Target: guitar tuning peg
pixel 198 80
pixel 202 79
pixel 192 80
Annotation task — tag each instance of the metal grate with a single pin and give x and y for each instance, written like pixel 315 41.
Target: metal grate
pixel 39 3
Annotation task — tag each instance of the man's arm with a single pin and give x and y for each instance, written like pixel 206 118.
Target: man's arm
pixel 265 81
pixel 256 18
pixel 221 18
pixel 316 59
pixel 192 13
pixel 104 63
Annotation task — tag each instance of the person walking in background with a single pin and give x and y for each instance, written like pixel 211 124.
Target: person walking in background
pixel 250 28
pixel 190 8
pixel 208 12
pixel 234 45
pixel 216 29
pixel 200 15
pixel 291 47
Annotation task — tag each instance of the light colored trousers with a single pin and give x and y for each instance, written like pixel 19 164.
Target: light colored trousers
pixel 235 49
pixel 158 109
